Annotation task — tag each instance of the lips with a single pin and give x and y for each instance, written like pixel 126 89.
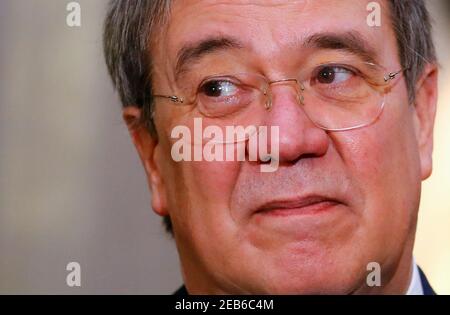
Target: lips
pixel 298 206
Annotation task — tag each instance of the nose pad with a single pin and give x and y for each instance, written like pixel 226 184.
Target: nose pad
pixel 300 97
pixel 299 93
pixel 268 102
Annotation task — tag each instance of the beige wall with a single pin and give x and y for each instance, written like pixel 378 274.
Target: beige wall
pixel 71 186
pixel 432 248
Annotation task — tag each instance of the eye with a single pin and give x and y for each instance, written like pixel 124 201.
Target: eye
pixel 225 95
pixel 333 74
pixel 218 88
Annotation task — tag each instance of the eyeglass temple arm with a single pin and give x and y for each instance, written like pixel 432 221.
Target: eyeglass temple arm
pixel 392 75
pixel 172 98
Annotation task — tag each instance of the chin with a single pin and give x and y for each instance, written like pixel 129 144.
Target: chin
pixel 313 285
pixel 322 274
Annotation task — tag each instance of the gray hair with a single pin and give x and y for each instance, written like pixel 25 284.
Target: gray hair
pixel 131 24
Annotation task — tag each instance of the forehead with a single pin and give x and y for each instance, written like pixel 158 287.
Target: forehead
pixel 269 30
pixel 278 22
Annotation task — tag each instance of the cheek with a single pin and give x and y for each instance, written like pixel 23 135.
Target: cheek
pixel 197 183
pixel 383 161
pixel 199 191
pixel 385 154
pixel 202 220
pixel 210 182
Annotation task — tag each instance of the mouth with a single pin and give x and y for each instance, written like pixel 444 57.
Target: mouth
pixel 310 205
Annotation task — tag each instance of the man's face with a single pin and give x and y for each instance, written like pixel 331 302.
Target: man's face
pixel 344 199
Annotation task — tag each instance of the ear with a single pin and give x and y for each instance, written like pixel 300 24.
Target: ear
pixel 425 112
pixel 146 146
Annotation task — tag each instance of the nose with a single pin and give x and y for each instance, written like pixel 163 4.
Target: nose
pixel 298 137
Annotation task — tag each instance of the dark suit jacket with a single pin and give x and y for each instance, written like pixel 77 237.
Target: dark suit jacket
pixel 427 289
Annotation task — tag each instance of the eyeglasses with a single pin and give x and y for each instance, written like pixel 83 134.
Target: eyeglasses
pixel 335 96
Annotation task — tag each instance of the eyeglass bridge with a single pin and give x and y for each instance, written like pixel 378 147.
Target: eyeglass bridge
pixel 300 97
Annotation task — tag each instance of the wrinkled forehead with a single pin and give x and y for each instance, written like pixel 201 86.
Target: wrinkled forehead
pixel 268 28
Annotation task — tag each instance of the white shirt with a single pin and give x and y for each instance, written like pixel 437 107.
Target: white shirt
pixel 415 286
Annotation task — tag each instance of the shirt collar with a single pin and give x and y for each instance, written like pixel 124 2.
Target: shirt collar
pixel 415 286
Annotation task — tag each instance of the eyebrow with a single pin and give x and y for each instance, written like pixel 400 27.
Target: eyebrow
pixel 351 42
pixel 192 52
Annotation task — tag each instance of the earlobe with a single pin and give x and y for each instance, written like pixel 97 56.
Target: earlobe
pixel 425 112
pixel 146 146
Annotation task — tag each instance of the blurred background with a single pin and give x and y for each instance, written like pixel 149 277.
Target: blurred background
pixel 72 187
